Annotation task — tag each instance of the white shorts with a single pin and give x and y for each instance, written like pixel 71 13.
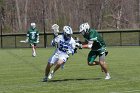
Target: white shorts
pixel 58 56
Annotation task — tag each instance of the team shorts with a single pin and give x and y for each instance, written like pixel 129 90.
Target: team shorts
pixel 94 53
pixel 31 44
pixel 58 56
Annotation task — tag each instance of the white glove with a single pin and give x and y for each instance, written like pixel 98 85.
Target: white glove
pixel 37 41
pixel 68 52
pixel 53 43
pixel 78 45
pixel 90 43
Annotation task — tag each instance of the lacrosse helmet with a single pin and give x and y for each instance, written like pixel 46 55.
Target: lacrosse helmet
pixel 33 25
pixel 84 28
pixel 67 32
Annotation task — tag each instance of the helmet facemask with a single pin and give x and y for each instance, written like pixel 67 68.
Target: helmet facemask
pixel 85 32
pixel 67 32
pixel 67 36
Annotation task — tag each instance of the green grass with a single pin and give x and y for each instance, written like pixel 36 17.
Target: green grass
pixel 22 73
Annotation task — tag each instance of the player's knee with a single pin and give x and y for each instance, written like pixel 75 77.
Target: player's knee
pixel 101 62
pixel 49 65
pixel 59 63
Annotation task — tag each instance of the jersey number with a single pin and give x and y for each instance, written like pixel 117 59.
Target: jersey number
pixel 33 35
pixel 63 48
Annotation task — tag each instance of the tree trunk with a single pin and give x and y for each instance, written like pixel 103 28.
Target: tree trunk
pixel 18 15
pixel 119 15
pixel 138 13
pixel 101 14
pixel 25 17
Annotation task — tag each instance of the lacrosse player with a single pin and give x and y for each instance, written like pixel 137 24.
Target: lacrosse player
pixel 97 46
pixel 33 38
pixel 55 29
pixel 65 46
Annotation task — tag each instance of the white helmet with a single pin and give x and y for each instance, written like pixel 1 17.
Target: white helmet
pixel 67 32
pixel 33 25
pixel 84 27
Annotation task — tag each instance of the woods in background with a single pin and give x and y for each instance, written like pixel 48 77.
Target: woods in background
pixel 16 15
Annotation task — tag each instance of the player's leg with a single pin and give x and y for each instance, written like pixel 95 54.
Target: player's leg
pixel 62 59
pixel 51 62
pixel 57 66
pixel 104 65
pixel 35 45
pixel 47 71
pixel 59 63
pixel 102 62
pixel 33 49
pixel 91 59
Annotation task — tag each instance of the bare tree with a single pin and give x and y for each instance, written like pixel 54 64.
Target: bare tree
pixel 119 15
pixel 18 14
pixel 101 14
pixel 138 13
pixel 2 14
pixel 25 15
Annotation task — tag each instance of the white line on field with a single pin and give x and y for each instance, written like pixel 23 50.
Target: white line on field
pixel 131 91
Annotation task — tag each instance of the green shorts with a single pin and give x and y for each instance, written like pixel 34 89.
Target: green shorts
pixel 33 44
pixel 94 53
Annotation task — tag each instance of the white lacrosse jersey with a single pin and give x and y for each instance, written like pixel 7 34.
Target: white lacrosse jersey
pixel 64 48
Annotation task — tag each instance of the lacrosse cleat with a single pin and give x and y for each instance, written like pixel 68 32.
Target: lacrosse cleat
pixel 107 77
pixel 34 54
pixel 45 79
pixel 51 75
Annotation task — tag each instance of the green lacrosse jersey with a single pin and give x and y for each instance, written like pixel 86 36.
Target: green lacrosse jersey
pixel 94 36
pixel 33 35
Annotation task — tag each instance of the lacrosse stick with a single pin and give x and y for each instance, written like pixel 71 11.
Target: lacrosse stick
pixel 55 29
pixel 23 41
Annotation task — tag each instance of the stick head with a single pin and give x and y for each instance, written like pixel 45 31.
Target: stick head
pixel 55 28
pixel 22 41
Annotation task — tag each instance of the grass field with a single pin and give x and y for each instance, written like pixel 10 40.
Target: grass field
pixel 22 73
